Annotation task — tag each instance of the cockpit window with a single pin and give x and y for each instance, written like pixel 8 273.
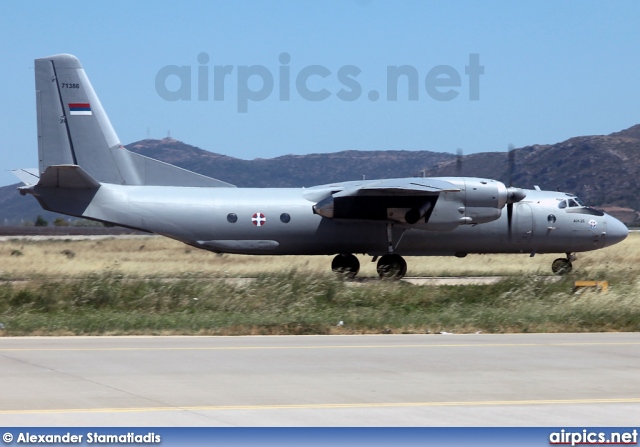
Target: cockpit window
pixel 574 205
pixel 572 202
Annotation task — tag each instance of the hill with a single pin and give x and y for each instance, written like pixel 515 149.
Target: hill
pixel 291 170
pixel 285 171
pixel 601 169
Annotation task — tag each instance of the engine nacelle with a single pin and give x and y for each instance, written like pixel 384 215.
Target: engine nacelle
pixel 484 199
pixel 465 201
pixel 478 201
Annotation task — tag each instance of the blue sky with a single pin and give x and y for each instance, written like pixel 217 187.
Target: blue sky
pixel 552 70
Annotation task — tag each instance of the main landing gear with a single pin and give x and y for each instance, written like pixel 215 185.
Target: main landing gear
pixel 562 266
pixel 346 265
pixel 390 266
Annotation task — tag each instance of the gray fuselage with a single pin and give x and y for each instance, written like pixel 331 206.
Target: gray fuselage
pixel 282 221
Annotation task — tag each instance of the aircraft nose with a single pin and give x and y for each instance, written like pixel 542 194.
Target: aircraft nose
pixel 616 231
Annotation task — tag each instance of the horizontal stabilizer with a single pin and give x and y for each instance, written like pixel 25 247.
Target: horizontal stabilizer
pixel 28 176
pixel 67 176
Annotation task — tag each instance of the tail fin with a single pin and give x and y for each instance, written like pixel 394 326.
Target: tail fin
pixel 73 129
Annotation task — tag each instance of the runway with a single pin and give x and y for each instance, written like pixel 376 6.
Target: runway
pixel 373 380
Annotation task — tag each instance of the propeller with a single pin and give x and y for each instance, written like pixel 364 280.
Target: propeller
pixel 459 163
pixel 511 153
pixel 511 157
pixel 513 194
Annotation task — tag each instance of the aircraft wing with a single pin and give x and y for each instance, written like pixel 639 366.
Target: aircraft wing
pixel 407 187
pixel 389 199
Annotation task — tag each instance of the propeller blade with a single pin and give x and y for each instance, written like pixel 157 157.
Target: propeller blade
pixel 459 163
pixel 512 163
pixel 509 218
pixel 511 154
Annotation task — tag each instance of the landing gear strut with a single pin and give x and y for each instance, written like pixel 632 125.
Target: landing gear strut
pixel 346 265
pixel 391 266
pixel 562 266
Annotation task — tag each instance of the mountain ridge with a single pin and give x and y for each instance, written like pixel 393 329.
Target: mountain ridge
pixel 601 169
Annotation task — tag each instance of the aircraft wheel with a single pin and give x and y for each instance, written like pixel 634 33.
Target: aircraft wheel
pixel 561 266
pixel 392 267
pixel 345 265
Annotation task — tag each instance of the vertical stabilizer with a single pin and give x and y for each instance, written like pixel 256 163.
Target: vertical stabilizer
pixel 73 129
pixel 72 125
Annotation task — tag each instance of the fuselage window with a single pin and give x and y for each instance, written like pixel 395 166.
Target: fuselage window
pixel 285 218
pixel 232 218
pixel 562 204
pixel 572 203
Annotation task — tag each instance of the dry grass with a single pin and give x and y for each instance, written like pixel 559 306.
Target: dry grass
pixel 117 286
pixel 159 257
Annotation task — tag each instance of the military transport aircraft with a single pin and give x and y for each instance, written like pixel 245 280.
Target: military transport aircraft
pixel 85 172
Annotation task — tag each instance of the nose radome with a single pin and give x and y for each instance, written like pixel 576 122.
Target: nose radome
pixel 616 231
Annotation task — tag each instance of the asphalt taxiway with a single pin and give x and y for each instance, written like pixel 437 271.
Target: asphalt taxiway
pixel 372 380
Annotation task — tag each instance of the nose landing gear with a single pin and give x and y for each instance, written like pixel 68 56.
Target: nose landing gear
pixel 562 266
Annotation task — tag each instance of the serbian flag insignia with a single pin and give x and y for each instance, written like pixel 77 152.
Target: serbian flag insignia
pixel 81 108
